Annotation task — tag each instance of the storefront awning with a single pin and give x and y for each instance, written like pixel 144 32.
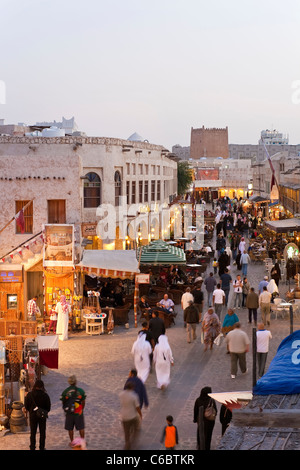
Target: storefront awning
pixel 121 264
pixel 159 252
pixel 257 199
pixel 284 225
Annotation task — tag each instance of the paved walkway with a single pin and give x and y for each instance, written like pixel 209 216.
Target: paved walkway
pixel 102 363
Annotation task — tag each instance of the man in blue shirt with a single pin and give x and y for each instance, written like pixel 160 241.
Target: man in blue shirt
pixel 262 283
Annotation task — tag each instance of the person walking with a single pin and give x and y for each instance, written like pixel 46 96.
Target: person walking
pixel 263 283
pixel 218 300
pixel 229 320
pixel 245 291
pixel 225 417
pixel 210 285
pixel 156 326
pixel 276 273
pixel 205 426
pixel 139 388
pixel 191 317
pixel 211 328
pixel 185 298
pixel 73 401
pixel 170 434
pixel 226 281
pixel 245 260
pixel 242 245
pixel 198 298
pixel 263 337
pixel 238 292
pixel 163 359
pixel 131 415
pixel 141 351
pixel 238 345
pixel 265 305
pixel 252 304
pixel 37 398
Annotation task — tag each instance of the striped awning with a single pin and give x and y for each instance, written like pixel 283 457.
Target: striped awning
pixel 121 264
pixel 159 252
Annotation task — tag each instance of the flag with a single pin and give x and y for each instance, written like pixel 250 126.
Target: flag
pixel 20 220
pixel 48 351
pixel 273 181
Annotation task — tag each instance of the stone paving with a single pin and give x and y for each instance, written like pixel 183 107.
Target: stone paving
pixel 101 364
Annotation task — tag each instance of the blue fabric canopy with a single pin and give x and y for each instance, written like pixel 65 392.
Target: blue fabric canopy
pixel 283 375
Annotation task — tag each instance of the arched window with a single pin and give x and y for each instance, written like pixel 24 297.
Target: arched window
pixel 92 190
pixel 118 188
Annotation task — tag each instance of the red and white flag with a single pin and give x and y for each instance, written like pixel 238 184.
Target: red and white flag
pixel 20 220
pixel 48 351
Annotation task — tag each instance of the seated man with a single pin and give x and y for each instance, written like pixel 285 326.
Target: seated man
pixel 166 304
pixel 144 307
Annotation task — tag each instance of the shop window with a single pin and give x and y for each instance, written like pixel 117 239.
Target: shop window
pixel 118 188
pixel 158 190
pixel 140 192
pixel 133 193
pixel 91 190
pixel 146 197
pixel 152 191
pixel 28 216
pixel 56 211
pixel 128 192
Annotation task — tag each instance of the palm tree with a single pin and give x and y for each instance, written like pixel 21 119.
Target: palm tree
pixel 184 177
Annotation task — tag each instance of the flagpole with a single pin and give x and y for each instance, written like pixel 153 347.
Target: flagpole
pixel 8 223
pixel 271 164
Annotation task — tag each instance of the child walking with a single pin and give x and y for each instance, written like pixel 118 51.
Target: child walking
pixel 215 265
pixel 170 434
pixel 53 320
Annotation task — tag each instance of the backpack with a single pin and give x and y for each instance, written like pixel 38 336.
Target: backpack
pixel 69 403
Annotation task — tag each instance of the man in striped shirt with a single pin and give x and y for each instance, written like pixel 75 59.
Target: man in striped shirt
pixel 32 309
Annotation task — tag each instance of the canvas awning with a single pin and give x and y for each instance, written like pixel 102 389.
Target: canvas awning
pixel 258 199
pixel 159 252
pixel 284 225
pixel 121 264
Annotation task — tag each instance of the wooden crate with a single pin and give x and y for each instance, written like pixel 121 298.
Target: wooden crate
pixel 12 327
pixel 28 328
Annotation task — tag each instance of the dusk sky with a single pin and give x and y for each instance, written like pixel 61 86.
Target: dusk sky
pixel 154 67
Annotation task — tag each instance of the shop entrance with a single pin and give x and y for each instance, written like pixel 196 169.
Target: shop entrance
pixel 35 287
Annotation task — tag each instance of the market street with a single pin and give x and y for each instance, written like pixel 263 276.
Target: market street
pixel 102 363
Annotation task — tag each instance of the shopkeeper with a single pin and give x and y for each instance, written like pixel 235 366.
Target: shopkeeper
pixel 32 309
pixel 63 310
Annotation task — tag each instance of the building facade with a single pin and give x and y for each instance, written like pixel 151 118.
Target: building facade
pixel 109 192
pixel 209 143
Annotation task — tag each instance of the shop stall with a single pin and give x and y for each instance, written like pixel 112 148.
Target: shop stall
pixel 109 267
pixel 11 291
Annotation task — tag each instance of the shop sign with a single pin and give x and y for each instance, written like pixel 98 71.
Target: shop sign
pixel 12 273
pixel 58 245
pixel 89 229
pixel 142 278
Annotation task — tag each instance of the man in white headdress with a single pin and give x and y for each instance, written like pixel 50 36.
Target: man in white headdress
pixel 63 310
pixel 163 359
pixel 141 351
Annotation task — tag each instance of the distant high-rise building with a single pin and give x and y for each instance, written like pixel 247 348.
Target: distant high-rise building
pixel 273 138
